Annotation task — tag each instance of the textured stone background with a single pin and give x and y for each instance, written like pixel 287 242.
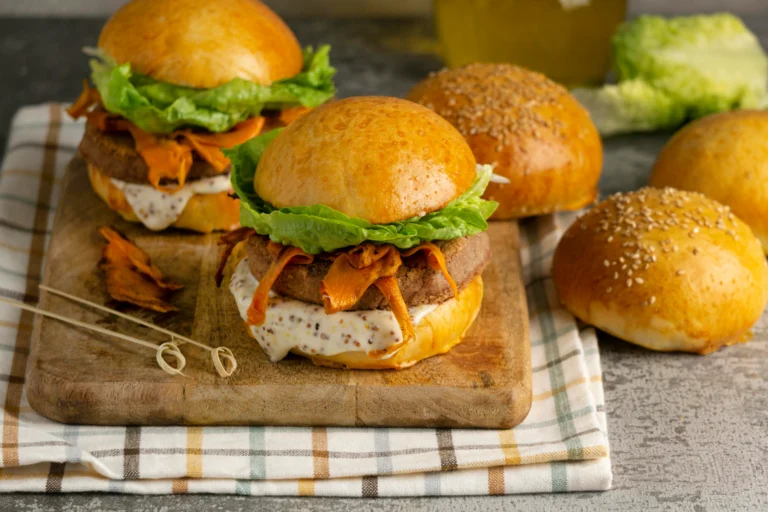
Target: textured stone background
pixel 686 432
pixel 386 8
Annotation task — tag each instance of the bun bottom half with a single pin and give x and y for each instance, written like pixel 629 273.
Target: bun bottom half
pixel 437 333
pixel 203 213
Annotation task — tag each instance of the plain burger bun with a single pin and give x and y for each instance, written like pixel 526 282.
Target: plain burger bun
pixel 203 213
pixel 665 269
pixel 724 156
pixel 437 333
pixel 375 158
pixel 202 43
pixel 533 129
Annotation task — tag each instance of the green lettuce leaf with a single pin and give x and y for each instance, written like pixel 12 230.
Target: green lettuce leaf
pixel 160 107
pixel 318 228
pixel 671 70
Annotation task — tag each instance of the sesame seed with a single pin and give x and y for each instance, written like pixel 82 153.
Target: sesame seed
pixel 606 263
pixel 680 272
pixel 639 280
pixel 629 283
pixel 653 299
pixel 608 290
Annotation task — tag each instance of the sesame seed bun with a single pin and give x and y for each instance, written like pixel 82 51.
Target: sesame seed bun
pixel 724 156
pixel 203 213
pixel 437 333
pixel 533 129
pixel 375 158
pixel 665 269
pixel 200 43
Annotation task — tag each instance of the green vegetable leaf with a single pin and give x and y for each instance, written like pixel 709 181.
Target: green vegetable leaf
pixel 318 228
pixel 670 70
pixel 160 107
pixel 630 106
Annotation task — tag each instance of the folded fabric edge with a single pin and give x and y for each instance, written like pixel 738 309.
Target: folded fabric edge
pixel 578 476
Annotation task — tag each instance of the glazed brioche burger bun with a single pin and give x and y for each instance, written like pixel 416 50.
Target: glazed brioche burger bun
pixel 202 44
pixel 532 129
pixel 203 213
pixel 379 159
pixel 665 269
pixel 724 156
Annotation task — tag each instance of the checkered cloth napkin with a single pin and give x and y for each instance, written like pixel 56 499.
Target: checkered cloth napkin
pixel 561 446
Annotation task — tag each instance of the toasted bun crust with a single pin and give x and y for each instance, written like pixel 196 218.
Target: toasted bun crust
pixel 200 43
pixel 204 212
pixel 436 334
pixel 376 158
pixel 533 129
pixel 724 156
pixel 699 277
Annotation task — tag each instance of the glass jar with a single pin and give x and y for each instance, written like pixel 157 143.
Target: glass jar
pixel 567 40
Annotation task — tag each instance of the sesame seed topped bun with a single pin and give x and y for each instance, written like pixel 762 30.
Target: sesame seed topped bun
pixel 200 43
pixel 665 269
pixel 533 129
pixel 375 158
pixel 725 157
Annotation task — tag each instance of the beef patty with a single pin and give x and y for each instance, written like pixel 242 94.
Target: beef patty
pixel 465 258
pixel 114 154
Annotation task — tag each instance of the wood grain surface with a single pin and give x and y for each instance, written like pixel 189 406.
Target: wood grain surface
pixel 77 376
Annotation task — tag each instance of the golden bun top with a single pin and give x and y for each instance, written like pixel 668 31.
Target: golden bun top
pixel 724 156
pixel 376 158
pixel 532 128
pixel 202 43
pixel 666 269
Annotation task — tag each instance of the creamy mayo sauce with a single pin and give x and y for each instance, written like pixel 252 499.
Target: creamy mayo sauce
pixel 156 209
pixel 292 323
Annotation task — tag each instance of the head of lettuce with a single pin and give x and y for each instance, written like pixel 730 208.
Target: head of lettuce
pixel 175 85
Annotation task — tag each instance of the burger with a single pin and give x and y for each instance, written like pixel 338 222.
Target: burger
pixel 174 83
pixel 363 238
pixel 534 132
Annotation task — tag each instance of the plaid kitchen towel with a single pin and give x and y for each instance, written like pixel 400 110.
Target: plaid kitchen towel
pixel 561 446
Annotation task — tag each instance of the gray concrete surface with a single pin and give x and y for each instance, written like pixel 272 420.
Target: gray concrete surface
pixel 687 432
pixel 343 8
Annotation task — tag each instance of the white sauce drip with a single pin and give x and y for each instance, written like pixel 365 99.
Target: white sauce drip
pixel 292 323
pixel 157 209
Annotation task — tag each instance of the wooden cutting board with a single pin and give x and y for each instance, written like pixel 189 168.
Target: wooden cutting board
pixel 78 376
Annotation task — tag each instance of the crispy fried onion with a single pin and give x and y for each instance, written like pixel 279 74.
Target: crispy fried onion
pixel 168 157
pixel 257 311
pixel 354 271
pixel 351 274
pixel 228 241
pixel 131 276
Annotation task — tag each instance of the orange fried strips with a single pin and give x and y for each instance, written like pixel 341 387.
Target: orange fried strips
pixel 168 157
pixel 208 145
pixel 390 289
pixel 353 272
pixel 257 311
pixel 131 276
pixel 289 115
pixel 229 241
pixel 88 98
pixel 435 260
